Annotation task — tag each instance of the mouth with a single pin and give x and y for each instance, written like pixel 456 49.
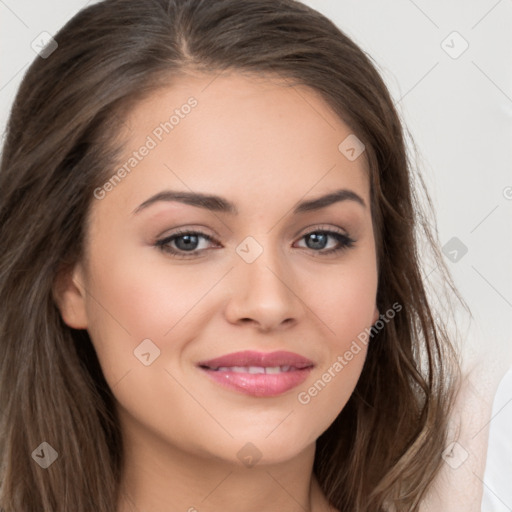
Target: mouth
pixel 258 374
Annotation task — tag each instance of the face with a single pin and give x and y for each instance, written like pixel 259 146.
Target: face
pixel 285 283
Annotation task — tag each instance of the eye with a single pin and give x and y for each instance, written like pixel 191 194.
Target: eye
pixel 318 241
pixel 187 243
pixel 182 242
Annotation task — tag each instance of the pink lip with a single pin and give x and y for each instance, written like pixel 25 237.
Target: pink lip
pixel 252 358
pixel 259 384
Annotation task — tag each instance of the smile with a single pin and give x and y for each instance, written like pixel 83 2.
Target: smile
pixel 258 374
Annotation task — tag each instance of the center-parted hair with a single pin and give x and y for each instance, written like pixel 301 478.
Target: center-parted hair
pixel 63 141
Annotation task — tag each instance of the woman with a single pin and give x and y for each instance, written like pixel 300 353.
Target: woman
pixel 210 278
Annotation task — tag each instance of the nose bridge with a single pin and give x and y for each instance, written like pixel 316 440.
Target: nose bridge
pixel 263 284
pixel 262 267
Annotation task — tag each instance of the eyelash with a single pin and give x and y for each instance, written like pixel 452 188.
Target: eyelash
pixel 163 244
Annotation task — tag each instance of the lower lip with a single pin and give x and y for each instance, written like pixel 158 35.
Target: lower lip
pixel 259 384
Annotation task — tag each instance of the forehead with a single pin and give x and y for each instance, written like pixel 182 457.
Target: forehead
pixel 241 133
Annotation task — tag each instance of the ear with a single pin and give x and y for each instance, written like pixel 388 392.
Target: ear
pixel 69 295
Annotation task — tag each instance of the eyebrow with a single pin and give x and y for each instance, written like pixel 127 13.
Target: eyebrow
pixel 219 204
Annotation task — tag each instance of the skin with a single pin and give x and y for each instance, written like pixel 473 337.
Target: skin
pixel 264 146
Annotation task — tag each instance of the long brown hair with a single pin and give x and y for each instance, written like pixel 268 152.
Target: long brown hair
pixel 384 449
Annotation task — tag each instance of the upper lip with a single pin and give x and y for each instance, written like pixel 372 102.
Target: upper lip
pixel 262 359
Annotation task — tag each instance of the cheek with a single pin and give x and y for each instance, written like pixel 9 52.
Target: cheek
pixel 347 311
pixel 144 300
pixel 327 394
pixel 131 301
pixel 350 317
pixel 123 309
pixel 344 300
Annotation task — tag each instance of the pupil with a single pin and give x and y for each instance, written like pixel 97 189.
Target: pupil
pixel 318 240
pixel 189 242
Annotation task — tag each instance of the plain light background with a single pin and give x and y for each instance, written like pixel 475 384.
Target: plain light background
pixel 458 107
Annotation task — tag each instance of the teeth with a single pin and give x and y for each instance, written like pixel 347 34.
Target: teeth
pixel 255 369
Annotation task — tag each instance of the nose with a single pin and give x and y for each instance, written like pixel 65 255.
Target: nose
pixel 264 294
